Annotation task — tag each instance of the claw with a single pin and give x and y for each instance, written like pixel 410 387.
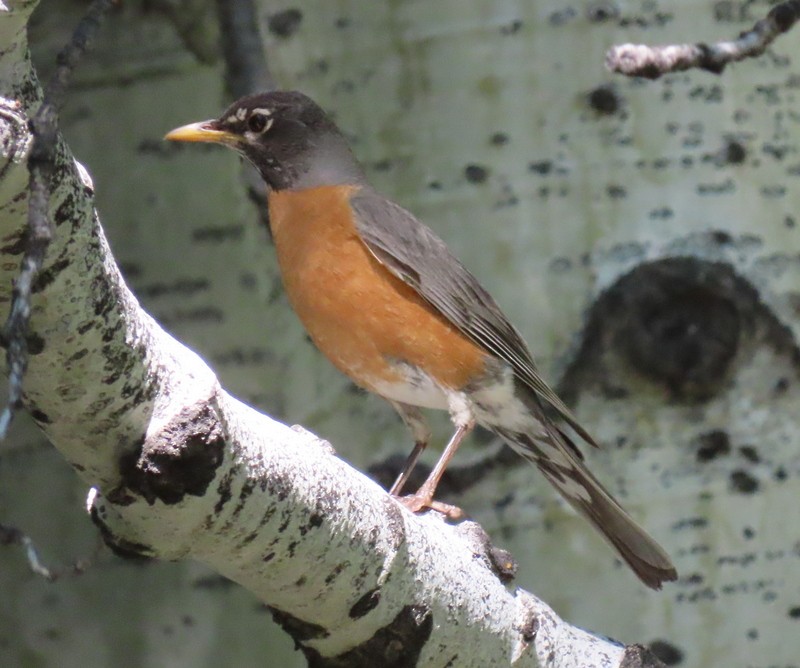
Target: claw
pixel 417 503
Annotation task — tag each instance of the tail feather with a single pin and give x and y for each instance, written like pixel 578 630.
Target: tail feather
pixel 554 455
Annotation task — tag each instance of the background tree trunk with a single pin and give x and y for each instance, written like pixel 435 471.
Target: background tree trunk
pixel 497 124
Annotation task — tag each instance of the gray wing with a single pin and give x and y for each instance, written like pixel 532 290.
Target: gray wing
pixel 413 253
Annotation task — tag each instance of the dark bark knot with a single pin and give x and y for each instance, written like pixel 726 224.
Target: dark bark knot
pixel 396 645
pixel 683 325
pixel 681 322
pixel 181 459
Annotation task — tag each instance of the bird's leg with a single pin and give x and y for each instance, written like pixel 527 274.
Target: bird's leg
pixel 415 421
pixel 423 498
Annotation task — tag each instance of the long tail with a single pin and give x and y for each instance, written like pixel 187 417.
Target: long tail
pixel 559 461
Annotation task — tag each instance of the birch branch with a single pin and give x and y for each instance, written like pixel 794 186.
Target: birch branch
pixel 651 62
pixel 180 469
pixel 44 126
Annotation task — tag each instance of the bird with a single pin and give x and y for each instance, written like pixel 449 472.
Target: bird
pixel 386 301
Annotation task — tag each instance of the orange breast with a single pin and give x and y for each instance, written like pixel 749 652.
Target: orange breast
pixel 358 314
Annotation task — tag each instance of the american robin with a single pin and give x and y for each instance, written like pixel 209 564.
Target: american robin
pixel 390 306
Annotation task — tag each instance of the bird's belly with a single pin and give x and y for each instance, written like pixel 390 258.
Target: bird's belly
pixel 415 388
pixel 370 325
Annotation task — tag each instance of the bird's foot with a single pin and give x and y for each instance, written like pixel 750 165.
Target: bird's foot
pixel 418 502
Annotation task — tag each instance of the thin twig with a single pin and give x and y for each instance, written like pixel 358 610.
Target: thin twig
pixel 640 60
pixel 41 163
pixel 12 536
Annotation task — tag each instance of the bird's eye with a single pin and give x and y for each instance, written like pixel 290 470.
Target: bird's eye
pixel 257 122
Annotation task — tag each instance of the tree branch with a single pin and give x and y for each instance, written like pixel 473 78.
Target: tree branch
pixel 182 469
pixel 651 62
pixel 44 126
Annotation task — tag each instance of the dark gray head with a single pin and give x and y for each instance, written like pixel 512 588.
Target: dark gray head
pixel 288 137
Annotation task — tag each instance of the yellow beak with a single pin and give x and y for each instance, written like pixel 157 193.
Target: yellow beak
pixel 204 132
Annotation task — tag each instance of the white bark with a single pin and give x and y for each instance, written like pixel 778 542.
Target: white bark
pixel 184 470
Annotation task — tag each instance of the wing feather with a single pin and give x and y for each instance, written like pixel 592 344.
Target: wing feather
pixel 413 253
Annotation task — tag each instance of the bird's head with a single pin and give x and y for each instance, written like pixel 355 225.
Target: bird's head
pixel 292 142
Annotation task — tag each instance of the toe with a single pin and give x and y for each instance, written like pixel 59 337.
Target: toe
pixel 419 502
